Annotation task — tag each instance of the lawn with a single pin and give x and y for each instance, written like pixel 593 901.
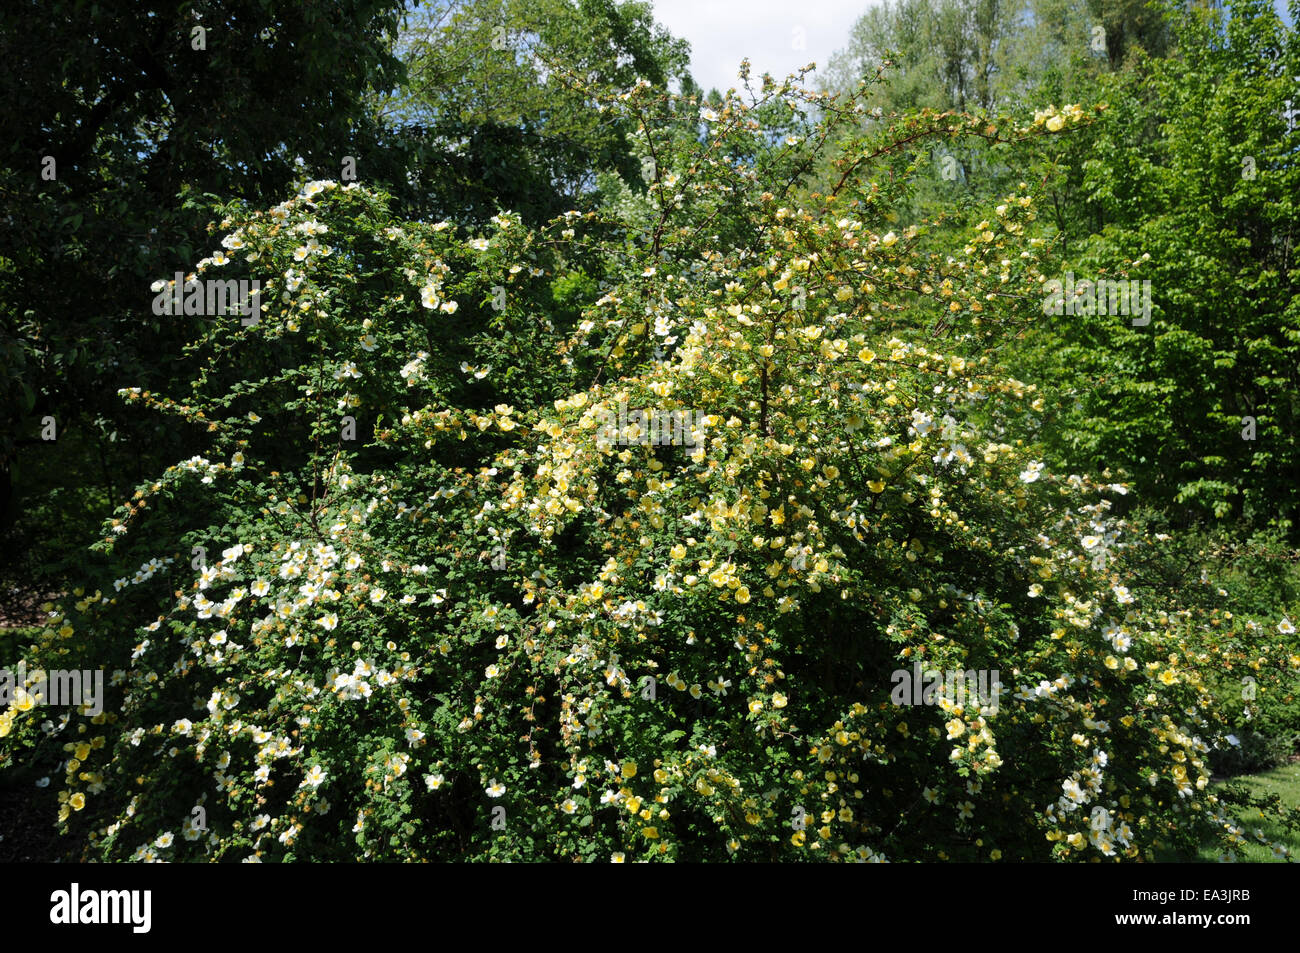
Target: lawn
pixel 1283 781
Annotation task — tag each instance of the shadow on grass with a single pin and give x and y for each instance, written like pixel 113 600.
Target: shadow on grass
pixel 1284 781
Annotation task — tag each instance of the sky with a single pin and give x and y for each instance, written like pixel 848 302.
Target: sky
pixel 723 32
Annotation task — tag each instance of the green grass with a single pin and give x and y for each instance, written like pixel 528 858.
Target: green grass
pixel 1283 781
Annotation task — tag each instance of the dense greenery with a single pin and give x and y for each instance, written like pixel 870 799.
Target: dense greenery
pixel 1203 404
pixel 112 121
pixel 382 582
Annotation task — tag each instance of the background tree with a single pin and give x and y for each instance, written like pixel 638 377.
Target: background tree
pixel 502 109
pixel 111 117
pixel 1196 168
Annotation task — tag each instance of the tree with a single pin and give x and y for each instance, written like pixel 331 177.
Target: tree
pixel 996 59
pixel 501 107
pixel 139 108
pixel 1192 183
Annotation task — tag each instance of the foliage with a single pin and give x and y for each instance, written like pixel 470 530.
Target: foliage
pixel 491 628
pixel 1189 184
pixel 1198 405
pixel 499 110
pixel 109 119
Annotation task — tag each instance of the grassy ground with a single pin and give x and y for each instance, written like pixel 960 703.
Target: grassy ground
pixel 1283 781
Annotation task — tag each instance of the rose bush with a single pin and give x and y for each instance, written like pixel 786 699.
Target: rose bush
pixel 439 614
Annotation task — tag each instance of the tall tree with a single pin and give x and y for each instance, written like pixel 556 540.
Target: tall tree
pixel 501 107
pixel 1194 178
pixel 113 111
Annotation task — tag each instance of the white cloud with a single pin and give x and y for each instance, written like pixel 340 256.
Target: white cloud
pixel 778 36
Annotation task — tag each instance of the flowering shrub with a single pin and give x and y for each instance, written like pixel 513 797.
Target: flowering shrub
pixel 449 621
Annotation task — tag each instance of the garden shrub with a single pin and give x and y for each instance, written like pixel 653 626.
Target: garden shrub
pixel 487 628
